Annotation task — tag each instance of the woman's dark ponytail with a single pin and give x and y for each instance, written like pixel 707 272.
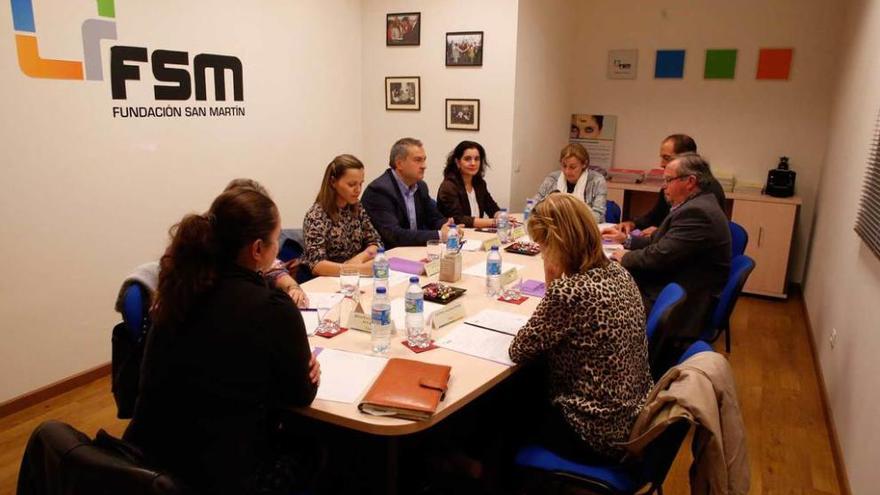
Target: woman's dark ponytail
pixel 200 244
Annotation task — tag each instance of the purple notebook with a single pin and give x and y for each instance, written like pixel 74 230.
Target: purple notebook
pixel 405 266
pixel 533 288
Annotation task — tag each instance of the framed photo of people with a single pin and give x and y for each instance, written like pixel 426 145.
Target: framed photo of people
pixel 403 29
pixel 463 114
pixel 464 49
pixel 403 93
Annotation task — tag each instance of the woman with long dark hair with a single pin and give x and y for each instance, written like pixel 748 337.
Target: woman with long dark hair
pixel 225 352
pixel 463 195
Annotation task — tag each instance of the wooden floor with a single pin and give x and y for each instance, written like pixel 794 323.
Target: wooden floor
pixel 788 441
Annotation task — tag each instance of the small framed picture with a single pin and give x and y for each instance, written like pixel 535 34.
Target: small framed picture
pixel 463 115
pixel 403 93
pixel 464 49
pixel 403 29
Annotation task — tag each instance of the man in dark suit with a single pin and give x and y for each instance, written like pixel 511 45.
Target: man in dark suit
pixel 673 145
pixel 691 247
pixel 398 202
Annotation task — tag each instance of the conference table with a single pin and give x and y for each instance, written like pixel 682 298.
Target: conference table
pixel 470 376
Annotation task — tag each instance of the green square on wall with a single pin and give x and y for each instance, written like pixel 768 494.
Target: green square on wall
pixel 720 64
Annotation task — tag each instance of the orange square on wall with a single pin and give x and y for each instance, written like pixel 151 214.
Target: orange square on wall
pixel 774 63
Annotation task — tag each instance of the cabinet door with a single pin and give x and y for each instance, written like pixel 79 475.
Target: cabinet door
pixel 770 226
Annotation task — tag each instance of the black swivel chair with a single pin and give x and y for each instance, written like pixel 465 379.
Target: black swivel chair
pixel 60 460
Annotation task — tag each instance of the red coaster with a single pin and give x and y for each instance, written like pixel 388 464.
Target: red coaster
pixel 418 350
pixel 328 335
pixel 521 300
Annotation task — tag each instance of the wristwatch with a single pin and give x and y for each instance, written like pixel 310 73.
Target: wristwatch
pixel 627 243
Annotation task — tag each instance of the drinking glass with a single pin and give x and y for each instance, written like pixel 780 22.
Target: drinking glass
pixel 349 280
pixel 325 323
pixel 436 250
pixel 513 290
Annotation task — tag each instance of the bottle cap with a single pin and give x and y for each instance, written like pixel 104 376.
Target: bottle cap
pixel 380 290
pixel 494 247
pixel 381 250
pixel 504 209
pixel 414 280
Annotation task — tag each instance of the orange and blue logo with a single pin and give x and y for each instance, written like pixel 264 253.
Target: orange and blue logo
pixel 93 31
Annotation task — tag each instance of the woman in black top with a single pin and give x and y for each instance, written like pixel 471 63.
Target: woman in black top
pixel 225 351
pixel 463 195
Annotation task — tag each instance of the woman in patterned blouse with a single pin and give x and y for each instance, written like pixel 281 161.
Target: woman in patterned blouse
pixel 337 229
pixel 591 328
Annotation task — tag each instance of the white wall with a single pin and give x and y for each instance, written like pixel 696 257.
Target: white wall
pixel 742 125
pixel 842 283
pixel 492 84
pixel 88 197
pixel 545 51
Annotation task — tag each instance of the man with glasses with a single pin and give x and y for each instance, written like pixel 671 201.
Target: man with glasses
pixel 690 247
pixel 648 223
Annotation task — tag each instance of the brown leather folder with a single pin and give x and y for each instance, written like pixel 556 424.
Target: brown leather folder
pixel 407 389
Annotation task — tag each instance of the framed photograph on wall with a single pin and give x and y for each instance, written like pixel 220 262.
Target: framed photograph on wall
pixel 403 93
pixel 464 49
pixel 463 115
pixel 403 29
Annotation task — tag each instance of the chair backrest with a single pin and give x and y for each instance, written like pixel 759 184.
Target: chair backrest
pixel 135 310
pixel 61 460
pixel 612 212
pixel 740 268
pixel 292 244
pixel 739 239
pixel 660 453
pixel 695 348
pixel 669 298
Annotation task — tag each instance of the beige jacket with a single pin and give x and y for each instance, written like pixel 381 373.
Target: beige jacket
pixel 702 391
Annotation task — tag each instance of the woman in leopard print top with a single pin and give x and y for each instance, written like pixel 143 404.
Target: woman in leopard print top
pixel 591 328
pixel 337 229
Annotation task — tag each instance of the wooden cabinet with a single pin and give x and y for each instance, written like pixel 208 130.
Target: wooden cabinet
pixel 769 222
pixel 770 226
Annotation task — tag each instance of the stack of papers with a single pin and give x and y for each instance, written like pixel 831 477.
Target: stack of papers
pixel 345 376
pixel 726 179
pixel 321 300
pixel 746 187
pixel 486 335
pixel 654 177
pixel 626 175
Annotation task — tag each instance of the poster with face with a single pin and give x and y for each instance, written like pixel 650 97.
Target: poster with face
pixel 596 133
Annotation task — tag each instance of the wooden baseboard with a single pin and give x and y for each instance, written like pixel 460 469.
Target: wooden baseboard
pixel 52 390
pixel 836 451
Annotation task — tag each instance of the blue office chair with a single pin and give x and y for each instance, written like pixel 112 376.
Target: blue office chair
pixel 740 268
pixel 135 309
pixel 614 479
pixel 612 212
pixel 695 348
pixel 739 239
pixel 658 326
pixel 292 243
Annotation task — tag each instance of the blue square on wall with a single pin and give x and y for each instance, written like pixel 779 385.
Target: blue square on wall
pixel 670 64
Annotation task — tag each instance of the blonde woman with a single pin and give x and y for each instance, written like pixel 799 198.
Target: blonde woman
pixel 591 328
pixel 575 177
pixel 337 230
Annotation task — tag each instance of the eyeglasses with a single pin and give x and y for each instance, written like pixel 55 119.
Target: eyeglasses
pixel 667 180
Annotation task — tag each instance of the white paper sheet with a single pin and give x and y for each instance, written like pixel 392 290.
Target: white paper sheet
pixel 310 318
pixel 610 248
pixel 605 225
pixel 395 277
pixel 473 341
pixel 323 299
pixel 479 270
pixel 398 313
pixel 345 376
pixel 472 245
pixel 502 321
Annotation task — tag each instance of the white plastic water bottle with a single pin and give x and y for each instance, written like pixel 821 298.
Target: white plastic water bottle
pixel 452 239
pixel 380 324
pixel 416 334
pixel 503 226
pixel 493 272
pixel 530 203
pixel 380 269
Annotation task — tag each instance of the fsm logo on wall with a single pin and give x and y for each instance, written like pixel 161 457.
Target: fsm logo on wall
pixel 170 68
